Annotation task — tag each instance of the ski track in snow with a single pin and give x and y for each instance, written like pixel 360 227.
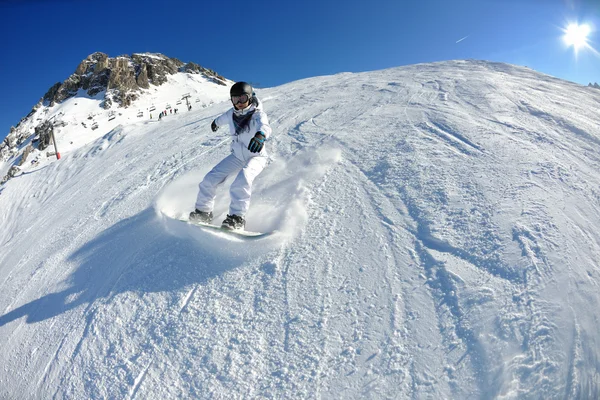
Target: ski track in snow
pixel 437 241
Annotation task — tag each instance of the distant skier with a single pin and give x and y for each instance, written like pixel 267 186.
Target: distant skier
pixel 249 127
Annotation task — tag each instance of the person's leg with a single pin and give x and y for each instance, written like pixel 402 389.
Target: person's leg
pixel 208 187
pixel 241 188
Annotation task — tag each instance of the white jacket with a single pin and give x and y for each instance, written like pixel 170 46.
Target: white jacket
pixel 240 142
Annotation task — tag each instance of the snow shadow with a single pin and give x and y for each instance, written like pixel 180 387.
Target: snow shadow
pixel 138 255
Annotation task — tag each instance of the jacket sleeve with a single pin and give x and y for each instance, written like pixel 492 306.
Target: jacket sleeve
pixel 223 119
pixel 263 124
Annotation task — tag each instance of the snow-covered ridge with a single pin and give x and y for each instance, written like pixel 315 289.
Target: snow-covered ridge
pixel 439 240
pixel 158 56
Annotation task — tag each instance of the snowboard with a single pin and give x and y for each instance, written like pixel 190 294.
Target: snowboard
pixel 235 233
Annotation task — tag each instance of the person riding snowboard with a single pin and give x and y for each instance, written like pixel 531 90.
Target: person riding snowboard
pixel 249 127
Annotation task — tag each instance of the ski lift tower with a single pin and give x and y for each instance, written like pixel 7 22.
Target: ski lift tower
pixel 186 97
pixel 56 153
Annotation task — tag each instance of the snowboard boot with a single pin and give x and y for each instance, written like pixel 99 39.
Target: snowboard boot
pixel 233 222
pixel 201 216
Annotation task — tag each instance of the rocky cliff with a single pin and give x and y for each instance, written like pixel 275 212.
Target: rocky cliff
pixel 121 77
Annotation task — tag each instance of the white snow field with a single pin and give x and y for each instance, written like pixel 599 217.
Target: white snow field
pixel 438 239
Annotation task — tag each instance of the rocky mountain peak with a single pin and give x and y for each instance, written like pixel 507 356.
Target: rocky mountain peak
pixel 121 77
pixel 116 81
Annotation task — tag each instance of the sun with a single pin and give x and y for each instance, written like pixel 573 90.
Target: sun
pixel 577 35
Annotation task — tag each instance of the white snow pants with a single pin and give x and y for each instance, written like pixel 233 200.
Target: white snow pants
pixel 241 188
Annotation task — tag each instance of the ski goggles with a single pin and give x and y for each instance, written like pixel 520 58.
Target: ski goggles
pixel 243 98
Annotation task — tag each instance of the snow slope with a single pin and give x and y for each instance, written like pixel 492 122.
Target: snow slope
pixel 438 239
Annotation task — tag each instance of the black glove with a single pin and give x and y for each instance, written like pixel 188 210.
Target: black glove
pixel 214 126
pixel 257 142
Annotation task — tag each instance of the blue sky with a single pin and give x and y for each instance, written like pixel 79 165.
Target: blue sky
pixel 274 42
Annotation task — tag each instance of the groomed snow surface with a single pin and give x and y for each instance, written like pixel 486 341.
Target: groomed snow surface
pixel 438 239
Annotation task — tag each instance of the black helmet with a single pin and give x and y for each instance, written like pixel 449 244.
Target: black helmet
pixel 241 88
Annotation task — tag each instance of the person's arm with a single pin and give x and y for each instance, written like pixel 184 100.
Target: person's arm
pixel 263 132
pixel 220 121
pixel 263 125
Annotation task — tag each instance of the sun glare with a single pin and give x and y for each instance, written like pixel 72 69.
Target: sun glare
pixel 577 35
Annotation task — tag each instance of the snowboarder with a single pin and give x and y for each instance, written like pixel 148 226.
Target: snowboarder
pixel 249 127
